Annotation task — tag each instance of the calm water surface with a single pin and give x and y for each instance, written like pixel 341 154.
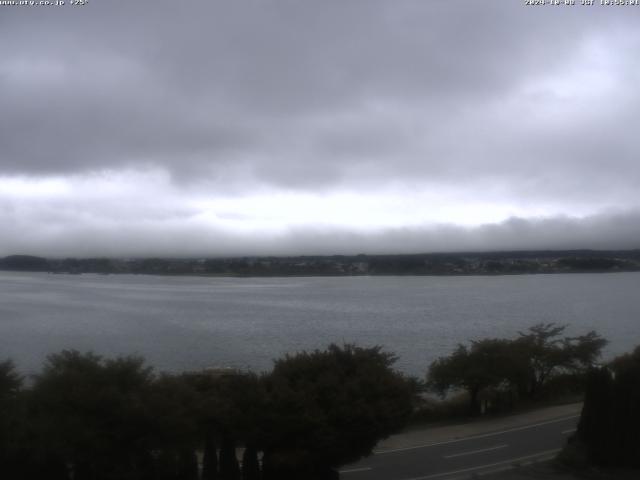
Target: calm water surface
pixel 181 323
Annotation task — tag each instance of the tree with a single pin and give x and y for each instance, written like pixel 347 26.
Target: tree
pixel 485 364
pixel 545 353
pixel 327 408
pixel 174 433
pixel 524 364
pixel 229 411
pixel 10 381
pixel 596 417
pixel 90 413
pixel 11 420
pixel 250 464
pixel 210 458
pixel 609 426
pixel 229 466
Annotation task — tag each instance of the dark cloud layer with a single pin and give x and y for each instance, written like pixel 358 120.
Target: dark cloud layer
pixel 232 98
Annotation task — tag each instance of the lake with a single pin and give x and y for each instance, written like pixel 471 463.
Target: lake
pixel 183 323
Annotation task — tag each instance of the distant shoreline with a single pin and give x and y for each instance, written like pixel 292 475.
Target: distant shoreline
pixel 430 264
pixel 332 275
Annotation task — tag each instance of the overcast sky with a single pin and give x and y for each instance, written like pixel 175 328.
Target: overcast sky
pixel 284 127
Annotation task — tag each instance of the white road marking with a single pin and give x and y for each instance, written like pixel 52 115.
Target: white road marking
pixel 473 437
pixel 566 432
pixel 489 465
pixel 488 449
pixel 354 470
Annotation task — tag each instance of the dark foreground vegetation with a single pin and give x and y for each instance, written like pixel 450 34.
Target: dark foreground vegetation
pixel 608 434
pixel 497 373
pixel 472 263
pixel 84 417
pixel 542 364
pixel 89 418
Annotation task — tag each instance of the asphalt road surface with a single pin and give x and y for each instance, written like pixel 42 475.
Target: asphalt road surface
pixel 466 457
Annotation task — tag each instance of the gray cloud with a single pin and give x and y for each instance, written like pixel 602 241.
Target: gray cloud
pixel 171 234
pixel 537 104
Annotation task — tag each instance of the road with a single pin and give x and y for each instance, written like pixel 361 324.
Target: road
pixel 465 457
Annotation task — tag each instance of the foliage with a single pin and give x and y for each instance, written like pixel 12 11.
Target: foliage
pixel 10 380
pixel 170 405
pixel 10 413
pixel 86 417
pixel 229 410
pixel 546 353
pixel 92 418
pixel 523 365
pixel 610 421
pixel 91 414
pixel 484 364
pixel 327 408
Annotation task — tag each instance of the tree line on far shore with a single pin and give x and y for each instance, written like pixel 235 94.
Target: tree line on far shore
pixel 470 263
pixel 85 417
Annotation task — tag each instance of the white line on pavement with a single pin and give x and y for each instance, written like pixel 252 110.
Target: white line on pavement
pixel 565 432
pixel 488 449
pixel 489 465
pixel 354 470
pixel 473 437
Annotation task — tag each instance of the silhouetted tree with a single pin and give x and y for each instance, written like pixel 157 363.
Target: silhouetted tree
pixel 595 420
pixel 250 464
pixel 11 419
pixel 210 458
pixel 524 364
pixel 229 467
pixel 327 408
pixel 10 381
pixel 485 364
pixel 546 352
pixel 187 465
pixel 90 413
pixel 171 405
pixel 610 421
pixel 229 411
